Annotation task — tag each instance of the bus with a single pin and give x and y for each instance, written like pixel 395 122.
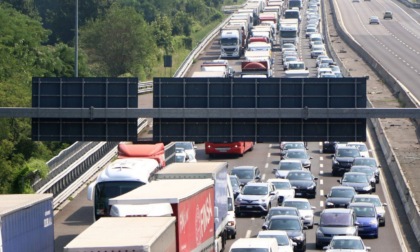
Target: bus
pixel 231 148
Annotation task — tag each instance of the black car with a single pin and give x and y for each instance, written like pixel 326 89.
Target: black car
pixel 339 196
pixel 303 182
pixel 369 162
pixel 358 180
pixel 369 173
pixel 280 210
pixel 247 174
pixel 293 226
pixel 343 158
pixel 328 147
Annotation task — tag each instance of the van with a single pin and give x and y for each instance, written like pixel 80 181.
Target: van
pixel 335 221
pixel 257 245
pixel 231 216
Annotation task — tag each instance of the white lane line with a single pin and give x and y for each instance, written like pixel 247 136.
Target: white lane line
pixel 321 172
pixel 269 154
pixel 321 166
pixel 263 177
pixel 321 158
pixel 266 165
pixel 321 181
pixel 248 234
pixel 321 192
pixel 321 203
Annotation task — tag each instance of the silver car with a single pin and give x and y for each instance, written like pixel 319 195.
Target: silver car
pixel 256 197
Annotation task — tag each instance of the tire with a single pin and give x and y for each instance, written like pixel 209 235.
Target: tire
pixel 318 246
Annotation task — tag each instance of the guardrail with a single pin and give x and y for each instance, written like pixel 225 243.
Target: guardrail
pixel 411 207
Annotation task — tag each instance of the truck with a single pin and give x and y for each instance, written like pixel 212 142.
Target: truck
pixel 295 3
pixel 218 66
pixel 289 31
pixel 131 150
pixel 296 69
pixel 253 67
pixel 208 74
pixel 26 222
pixel 270 18
pixel 292 14
pixel 193 206
pixel 232 41
pixel 217 171
pixel 119 177
pixel 136 234
pixel 228 148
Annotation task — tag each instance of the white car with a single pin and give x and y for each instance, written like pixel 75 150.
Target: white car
pixel 305 209
pixel 284 189
pixel 288 46
pixel 347 243
pixel 363 149
pixel 284 243
pixel 189 148
pixel 288 165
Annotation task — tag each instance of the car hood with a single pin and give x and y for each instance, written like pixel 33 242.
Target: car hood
pixel 285 192
pixel 338 230
pixel 346 250
pixel 304 212
pixel 281 173
pixel 302 183
pixel 252 197
pixel 365 221
pixel 294 233
pixel 354 184
pixel 245 181
pixel 344 159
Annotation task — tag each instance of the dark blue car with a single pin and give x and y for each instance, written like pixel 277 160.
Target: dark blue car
pixel 367 219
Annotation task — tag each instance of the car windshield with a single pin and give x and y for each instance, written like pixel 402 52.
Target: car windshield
pixel 284 224
pixel 366 171
pixel 355 178
pixel 255 190
pixel 361 147
pixel 362 211
pixel 282 185
pixel 348 153
pixel 346 244
pixel 243 173
pixel 342 193
pixel 282 240
pixel 287 211
pixel 184 145
pixel 335 220
pixel 299 176
pixel 296 154
pixel 375 201
pixel 248 250
pixel 288 166
pixel 294 145
pixel 234 182
pixel 299 205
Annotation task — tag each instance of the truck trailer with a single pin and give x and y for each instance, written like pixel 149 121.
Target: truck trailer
pixel 192 202
pixel 217 171
pixel 134 234
pixel 26 223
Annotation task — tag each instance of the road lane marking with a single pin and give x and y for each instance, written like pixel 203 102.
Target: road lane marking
pixel 248 234
pixel 263 177
pixel 266 165
pixel 321 192
pixel 321 172
pixel 321 159
pixel 321 181
pixel 269 154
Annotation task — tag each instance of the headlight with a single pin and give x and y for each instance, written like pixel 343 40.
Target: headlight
pixel 299 238
pixel 375 221
pixel 367 188
pixel 335 162
pixel 310 187
pixel 330 204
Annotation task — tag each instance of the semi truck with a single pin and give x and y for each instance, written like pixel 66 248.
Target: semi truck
pixel 297 69
pixel 119 177
pixel 26 222
pixel 136 234
pixel 208 74
pixel 289 31
pixel 295 3
pixel 232 41
pixel 193 206
pixel 154 151
pixel 218 66
pixel 253 67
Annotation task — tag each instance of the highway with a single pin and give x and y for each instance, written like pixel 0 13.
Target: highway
pixel 395 43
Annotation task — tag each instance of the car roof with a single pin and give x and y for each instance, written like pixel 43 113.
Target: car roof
pixel 273 232
pixel 296 200
pixel 244 167
pixel 342 187
pixel 258 183
pixel 285 217
pixel 278 179
pixel 290 161
pixel 252 242
pixel 364 204
pixel 283 207
pixel 347 237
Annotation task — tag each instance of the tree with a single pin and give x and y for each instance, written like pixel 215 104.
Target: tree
pixel 163 33
pixel 121 42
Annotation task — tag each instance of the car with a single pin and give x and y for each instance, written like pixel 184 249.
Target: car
pixel 323 71
pixel 236 185
pixel 369 162
pixel 316 53
pixel 305 209
pixel 247 173
pixel 285 146
pixel 299 154
pixel 336 70
pixel 329 61
pixel 328 146
pixel 315 37
pixel 189 148
pixel 180 155
pixel 358 180
pixel 339 196
pixel 363 149
pixel 257 244
pixel 374 20
pixel 288 53
pixel 347 243
pixel 288 165
pixel 367 218
pixel 318 59
pixel 280 210
pixel 288 59
pixel 310 30
pixel 335 222
pixel 231 219
pixel 388 15
pixel 284 189
pixel 303 182
pixel 376 201
pixel 256 198
pixel 293 226
pixel 343 158
pixel 369 173
pixel 287 46
pixel 285 244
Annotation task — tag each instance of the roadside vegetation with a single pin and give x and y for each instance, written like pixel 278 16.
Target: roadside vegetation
pixel 117 38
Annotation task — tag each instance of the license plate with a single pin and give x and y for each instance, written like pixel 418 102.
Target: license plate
pixel 248 206
pixel 298 194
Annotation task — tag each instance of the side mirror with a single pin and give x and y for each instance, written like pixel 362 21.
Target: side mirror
pixel 315 178
pixel 264 227
pixel 368 248
pixel 339 181
pixel 384 204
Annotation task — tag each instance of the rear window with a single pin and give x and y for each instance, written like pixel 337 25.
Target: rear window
pixel 336 220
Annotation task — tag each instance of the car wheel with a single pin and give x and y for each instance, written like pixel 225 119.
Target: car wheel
pixel 318 246
pixel 334 173
pixel 238 214
pixel 382 224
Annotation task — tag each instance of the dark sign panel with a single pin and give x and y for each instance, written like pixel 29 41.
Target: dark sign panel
pixel 259 93
pixel 84 93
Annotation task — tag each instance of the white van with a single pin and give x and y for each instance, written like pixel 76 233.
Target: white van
pixel 257 245
pixel 231 216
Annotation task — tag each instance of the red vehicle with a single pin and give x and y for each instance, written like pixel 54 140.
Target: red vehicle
pixel 233 148
pixel 155 151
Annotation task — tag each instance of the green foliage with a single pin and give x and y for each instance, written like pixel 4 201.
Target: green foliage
pixel 32 170
pixel 121 42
